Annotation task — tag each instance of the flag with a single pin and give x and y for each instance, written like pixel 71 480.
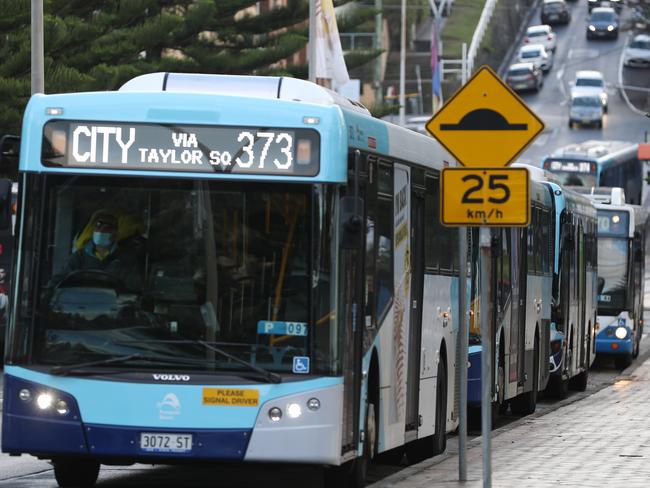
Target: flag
pixel 330 63
pixel 436 88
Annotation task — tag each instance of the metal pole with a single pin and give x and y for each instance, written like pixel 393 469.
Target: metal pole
pixel 462 358
pixel 38 65
pixel 402 69
pixel 312 41
pixel 463 70
pixel 486 355
pixel 378 45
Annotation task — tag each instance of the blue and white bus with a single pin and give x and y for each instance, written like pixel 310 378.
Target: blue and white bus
pixel 290 294
pixel 522 276
pixel 573 324
pixel 600 163
pixel 621 265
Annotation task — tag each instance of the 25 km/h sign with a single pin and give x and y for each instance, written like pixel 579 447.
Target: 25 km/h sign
pixel 485 197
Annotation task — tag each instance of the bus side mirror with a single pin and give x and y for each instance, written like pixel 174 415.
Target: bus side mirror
pixel 350 222
pixel 9 152
pixel 5 204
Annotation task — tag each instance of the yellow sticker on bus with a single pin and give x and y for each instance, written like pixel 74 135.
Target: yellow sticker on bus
pixel 231 397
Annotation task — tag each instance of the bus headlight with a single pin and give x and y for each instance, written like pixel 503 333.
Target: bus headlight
pixel 275 414
pixel 61 407
pixel 25 395
pixel 621 333
pixel 44 401
pixel 294 411
pixel 313 404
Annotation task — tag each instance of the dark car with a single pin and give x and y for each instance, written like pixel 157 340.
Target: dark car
pixel 616 4
pixel 524 76
pixel 555 12
pixel 603 22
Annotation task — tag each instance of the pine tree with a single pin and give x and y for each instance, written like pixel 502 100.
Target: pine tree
pixel 100 44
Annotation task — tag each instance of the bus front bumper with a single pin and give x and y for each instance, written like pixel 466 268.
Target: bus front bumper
pixel 48 422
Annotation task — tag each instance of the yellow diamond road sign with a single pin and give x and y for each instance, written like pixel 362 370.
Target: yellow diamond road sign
pixel 485 124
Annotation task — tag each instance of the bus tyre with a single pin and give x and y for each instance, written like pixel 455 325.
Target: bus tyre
pixel 78 473
pixel 623 361
pixel 579 382
pixel 440 433
pixel 526 403
pixel 361 464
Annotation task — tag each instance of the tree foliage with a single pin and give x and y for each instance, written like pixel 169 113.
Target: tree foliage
pixel 100 44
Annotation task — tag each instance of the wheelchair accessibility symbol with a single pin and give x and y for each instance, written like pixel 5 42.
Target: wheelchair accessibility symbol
pixel 301 364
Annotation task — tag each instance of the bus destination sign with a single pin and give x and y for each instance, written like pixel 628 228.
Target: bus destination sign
pixel 186 148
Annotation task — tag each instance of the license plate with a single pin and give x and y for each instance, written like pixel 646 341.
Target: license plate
pixel 520 86
pixel 164 442
pixel 553 17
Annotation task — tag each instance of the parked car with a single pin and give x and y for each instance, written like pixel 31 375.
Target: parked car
pixel 541 34
pixel 590 83
pixel 537 54
pixel 603 22
pixel 524 76
pixel 555 12
pixel 637 52
pixel 586 110
pixel 617 4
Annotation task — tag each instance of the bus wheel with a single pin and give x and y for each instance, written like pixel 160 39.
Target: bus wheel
pixel 526 403
pixel 77 473
pixel 369 446
pixel 623 361
pixel 579 382
pixel 440 435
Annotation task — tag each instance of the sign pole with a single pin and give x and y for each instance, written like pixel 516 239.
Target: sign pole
pixel 462 329
pixel 462 357
pixel 486 355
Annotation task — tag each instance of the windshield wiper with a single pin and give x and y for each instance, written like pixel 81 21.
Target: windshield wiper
pixel 64 370
pixel 267 375
pixel 270 377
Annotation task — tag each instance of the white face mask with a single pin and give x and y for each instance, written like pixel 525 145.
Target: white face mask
pixel 104 239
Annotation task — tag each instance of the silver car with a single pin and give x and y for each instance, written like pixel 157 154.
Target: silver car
pixel 586 109
pixel 637 53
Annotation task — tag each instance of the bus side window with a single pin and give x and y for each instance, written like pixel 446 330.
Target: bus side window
pixel 432 228
pixel 384 239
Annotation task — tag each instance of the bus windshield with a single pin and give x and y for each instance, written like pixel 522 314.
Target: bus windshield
pixel 612 274
pixel 573 172
pixel 161 267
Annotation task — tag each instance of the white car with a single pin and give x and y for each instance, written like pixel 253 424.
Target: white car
pixel 586 110
pixel 541 34
pixel 537 54
pixel 637 53
pixel 590 83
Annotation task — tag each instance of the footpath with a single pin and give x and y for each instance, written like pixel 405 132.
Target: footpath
pixel 602 440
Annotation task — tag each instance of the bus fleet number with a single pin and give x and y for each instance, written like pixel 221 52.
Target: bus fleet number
pixel 494 183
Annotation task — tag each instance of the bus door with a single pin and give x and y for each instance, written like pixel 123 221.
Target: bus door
pixel 518 323
pixel 582 306
pixel 417 289
pixel 350 293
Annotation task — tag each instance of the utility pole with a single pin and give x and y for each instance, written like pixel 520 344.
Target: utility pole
pixel 38 49
pixel 402 69
pixel 379 20
pixel 311 53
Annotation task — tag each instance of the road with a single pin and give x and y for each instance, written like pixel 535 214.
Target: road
pixel 574 53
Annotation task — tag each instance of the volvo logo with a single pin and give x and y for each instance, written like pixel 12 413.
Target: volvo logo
pixel 171 377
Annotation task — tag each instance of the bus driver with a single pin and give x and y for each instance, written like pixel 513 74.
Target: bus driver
pixel 106 251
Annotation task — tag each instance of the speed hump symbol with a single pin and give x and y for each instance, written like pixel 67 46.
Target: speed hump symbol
pixel 485 124
pixel 485 197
